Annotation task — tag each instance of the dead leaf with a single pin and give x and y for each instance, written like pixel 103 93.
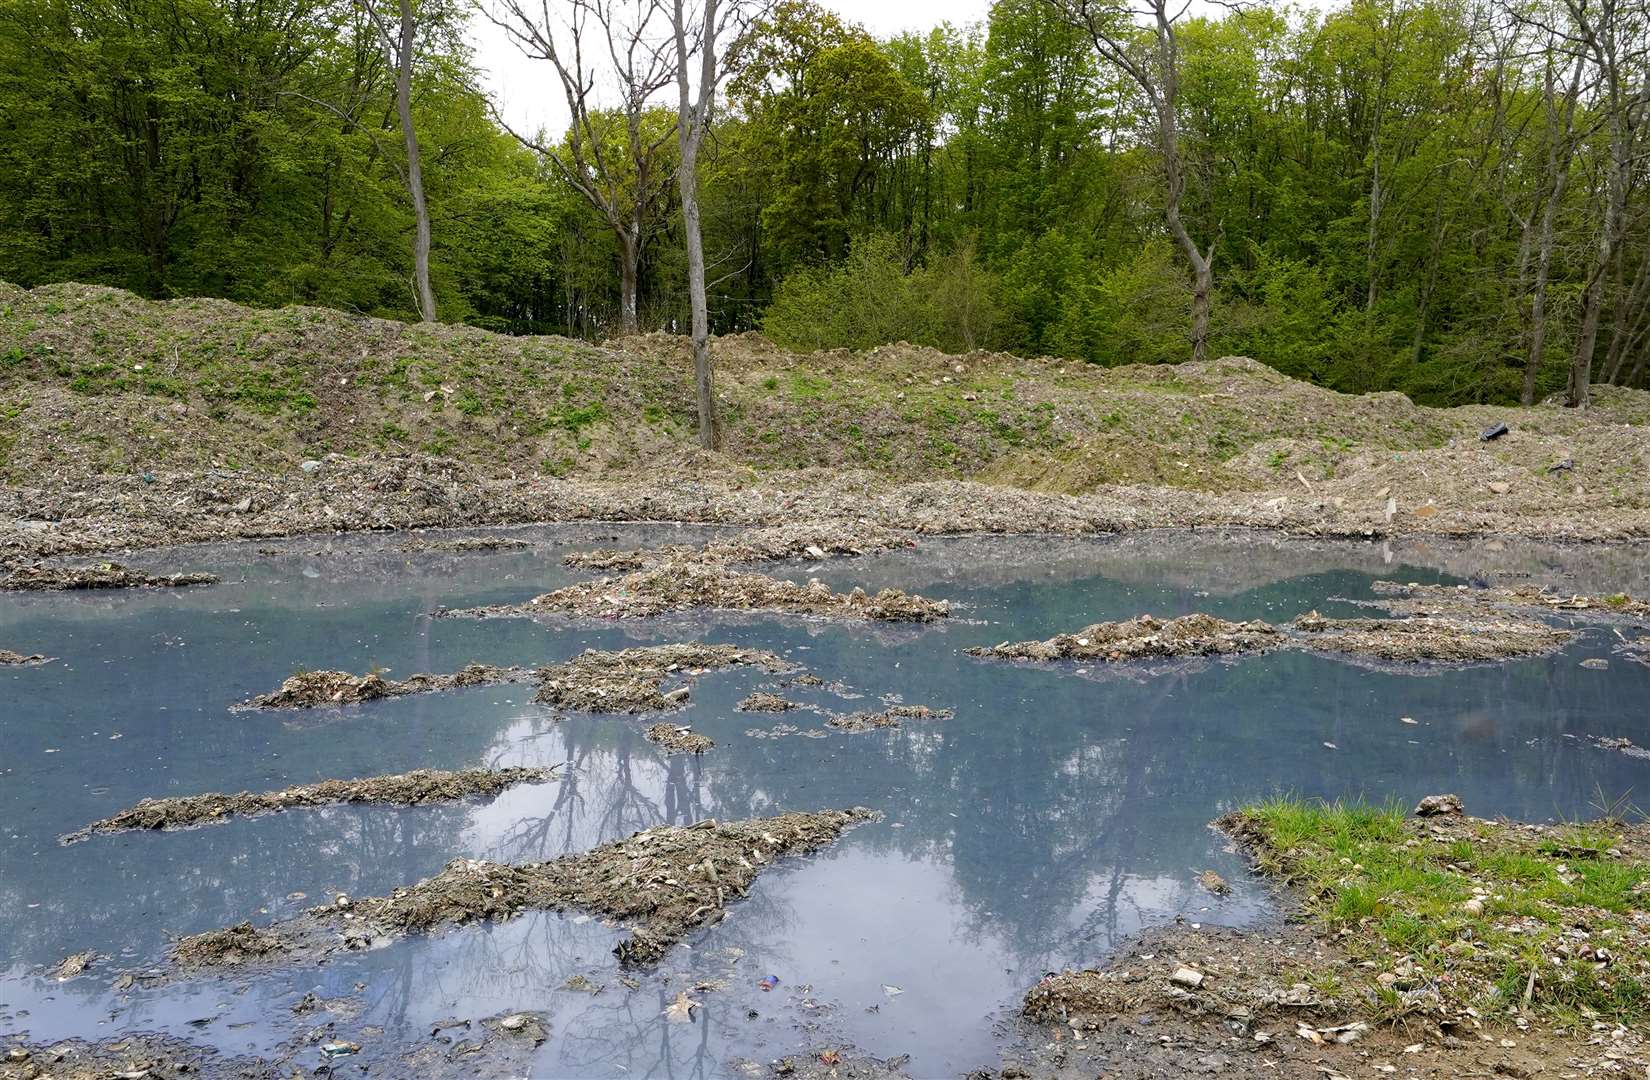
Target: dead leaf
pixel 680 1011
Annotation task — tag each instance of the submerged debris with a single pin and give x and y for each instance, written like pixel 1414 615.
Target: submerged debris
pixel 416 788
pixel 887 718
pixel 466 545
pixel 1461 639
pixel 533 1028
pixel 309 689
pixel 678 739
pixel 106 575
pixel 1446 639
pixel 1146 637
pixel 70 966
pixel 808 539
pixel 762 701
pixel 1415 597
pixel 665 882
pixel 628 680
pixel 12 659
pixel 687 586
pixel 129 1056
pixel 1622 745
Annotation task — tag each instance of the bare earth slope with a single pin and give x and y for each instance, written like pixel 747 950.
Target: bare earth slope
pixel 130 421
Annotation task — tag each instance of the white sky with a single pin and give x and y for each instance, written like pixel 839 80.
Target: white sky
pixel 528 95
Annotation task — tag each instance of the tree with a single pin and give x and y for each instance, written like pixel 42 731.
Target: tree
pixel 614 158
pixel 1613 36
pixel 1152 63
pixel 697 37
pixel 400 40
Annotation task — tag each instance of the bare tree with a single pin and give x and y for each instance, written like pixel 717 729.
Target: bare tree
pixel 1612 35
pixel 696 34
pixel 1153 64
pixel 628 184
pixel 400 41
pixel 1541 230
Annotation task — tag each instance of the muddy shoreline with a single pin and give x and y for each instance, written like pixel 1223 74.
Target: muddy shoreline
pixel 99 513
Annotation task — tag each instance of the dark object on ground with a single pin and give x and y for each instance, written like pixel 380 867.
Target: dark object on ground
pixel 308 689
pixel 706 865
pixel 107 575
pixel 1493 432
pixel 416 788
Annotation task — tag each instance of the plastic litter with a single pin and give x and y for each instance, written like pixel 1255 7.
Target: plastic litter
pixel 768 982
pixel 1493 432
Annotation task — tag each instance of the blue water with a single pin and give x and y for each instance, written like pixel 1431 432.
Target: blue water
pixel 1062 809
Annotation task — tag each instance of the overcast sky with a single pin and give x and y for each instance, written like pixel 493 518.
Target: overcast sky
pixel 529 96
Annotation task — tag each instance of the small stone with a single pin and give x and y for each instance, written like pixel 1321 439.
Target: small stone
pixel 310 466
pixel 1185 976
pixel 1438 805
pixel 1500 487
pixel 1475 906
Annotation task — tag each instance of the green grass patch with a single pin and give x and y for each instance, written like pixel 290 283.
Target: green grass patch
pixel 1488 917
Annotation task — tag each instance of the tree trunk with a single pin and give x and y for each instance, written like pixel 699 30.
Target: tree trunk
pixel 1166 100
pixel 688 179
pixel 415 171
pixel 1592 299
pixel 630 272
pixel 692 121
pixel 1628 319
pixel 1559 151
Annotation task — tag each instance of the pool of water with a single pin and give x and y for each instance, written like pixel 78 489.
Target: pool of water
pixel 1062 809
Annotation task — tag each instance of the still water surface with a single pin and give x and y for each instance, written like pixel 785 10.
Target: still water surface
pixel 1060 811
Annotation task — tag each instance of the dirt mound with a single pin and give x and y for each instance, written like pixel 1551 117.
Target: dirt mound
pixel 1445 639
pixel 1146 638
pixel 629 680
pixel 12 659
pixel 107 575
pixel 677 739
pixel 856 723
pixel 310 689
pixel 664 883
pixel 765 702
pixel 809 539
pixel 417 788
pixel 466 545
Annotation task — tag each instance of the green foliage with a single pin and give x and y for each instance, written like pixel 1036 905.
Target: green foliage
pixel 1366 176
pixel 870 298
